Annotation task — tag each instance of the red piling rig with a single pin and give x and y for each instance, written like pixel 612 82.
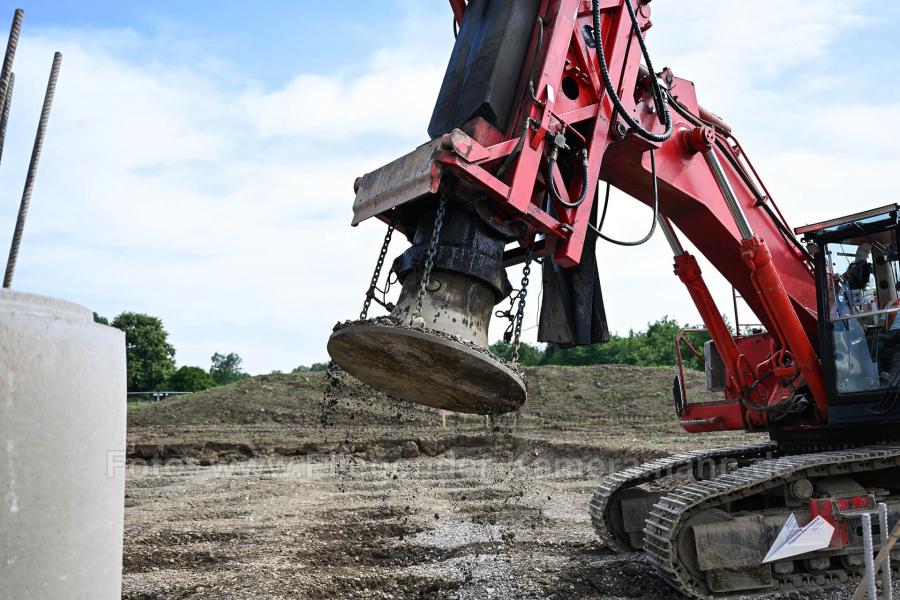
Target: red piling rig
pixel 567 100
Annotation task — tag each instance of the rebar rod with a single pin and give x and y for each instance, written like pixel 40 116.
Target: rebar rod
pixel 868 552
pixel 4 116
pixel 12 43
pixel 7 78
pixel 882 557
pixel 886 583
pixel 32 171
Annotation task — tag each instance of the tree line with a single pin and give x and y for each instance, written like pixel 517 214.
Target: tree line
pixel 152 366
pixel 653 347
pixel 151 359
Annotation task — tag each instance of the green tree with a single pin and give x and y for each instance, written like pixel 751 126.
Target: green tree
pixel 149 354
pixel 98 318
pixel 190 379
pixel 226 368
pixel 529 356
pixel 653 347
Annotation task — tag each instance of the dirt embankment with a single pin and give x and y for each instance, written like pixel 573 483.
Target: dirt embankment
pixel 572 408
pixel 564 395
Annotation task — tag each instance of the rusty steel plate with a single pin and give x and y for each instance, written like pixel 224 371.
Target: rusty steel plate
pixel 426 368
pixel 403 180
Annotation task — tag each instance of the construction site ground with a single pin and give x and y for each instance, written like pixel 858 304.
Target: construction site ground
pixel 291 486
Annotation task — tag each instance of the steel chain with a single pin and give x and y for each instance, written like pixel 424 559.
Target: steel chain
pixel 429 257
pixel 377 274
pixel 520 311
pixel 509 316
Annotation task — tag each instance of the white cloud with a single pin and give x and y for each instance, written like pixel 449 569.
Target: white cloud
pixel 224 208
pixel 393 97
pixel 732 49
pixel 159 192
pixel 768 68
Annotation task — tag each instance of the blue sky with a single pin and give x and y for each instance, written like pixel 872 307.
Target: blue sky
pixel 200 157
pixel 271 40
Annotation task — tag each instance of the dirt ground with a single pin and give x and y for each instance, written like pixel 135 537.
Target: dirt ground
pixel 363 505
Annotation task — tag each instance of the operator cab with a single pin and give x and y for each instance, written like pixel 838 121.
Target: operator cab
pixel 857 277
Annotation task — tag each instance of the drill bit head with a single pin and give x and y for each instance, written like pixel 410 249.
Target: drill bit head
pixel 427 367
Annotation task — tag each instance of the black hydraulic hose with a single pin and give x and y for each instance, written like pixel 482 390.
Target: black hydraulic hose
pixel 605 205
pixel 687 114
pixel 661 107
pixel 658 97
pixel 649 235
pixel 551 186
pixel 512 155
pixel 537 52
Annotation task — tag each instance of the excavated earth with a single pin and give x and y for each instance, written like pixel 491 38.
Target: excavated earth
pixel 291 486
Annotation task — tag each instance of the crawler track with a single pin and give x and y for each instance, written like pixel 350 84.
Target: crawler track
pixel 617 482
pixel 670 513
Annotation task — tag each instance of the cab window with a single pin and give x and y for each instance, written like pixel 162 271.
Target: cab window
pixel 862 299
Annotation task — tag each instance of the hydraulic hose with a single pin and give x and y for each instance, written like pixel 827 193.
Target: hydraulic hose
pixel 662 108
pixel 650 233
pixel 658 97
pixel 537 52
pixel 551 186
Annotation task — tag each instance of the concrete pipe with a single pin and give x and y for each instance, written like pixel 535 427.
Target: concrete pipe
pixel 62 447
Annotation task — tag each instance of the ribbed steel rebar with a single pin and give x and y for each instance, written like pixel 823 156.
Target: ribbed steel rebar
pixel 4 116
pixel 32 171
pixel 868 553
pixel 7 78
pixel 13 42
pixel 886 583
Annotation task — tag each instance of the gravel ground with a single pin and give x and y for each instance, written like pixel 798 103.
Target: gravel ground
pixel 272 488
pixel 502 520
